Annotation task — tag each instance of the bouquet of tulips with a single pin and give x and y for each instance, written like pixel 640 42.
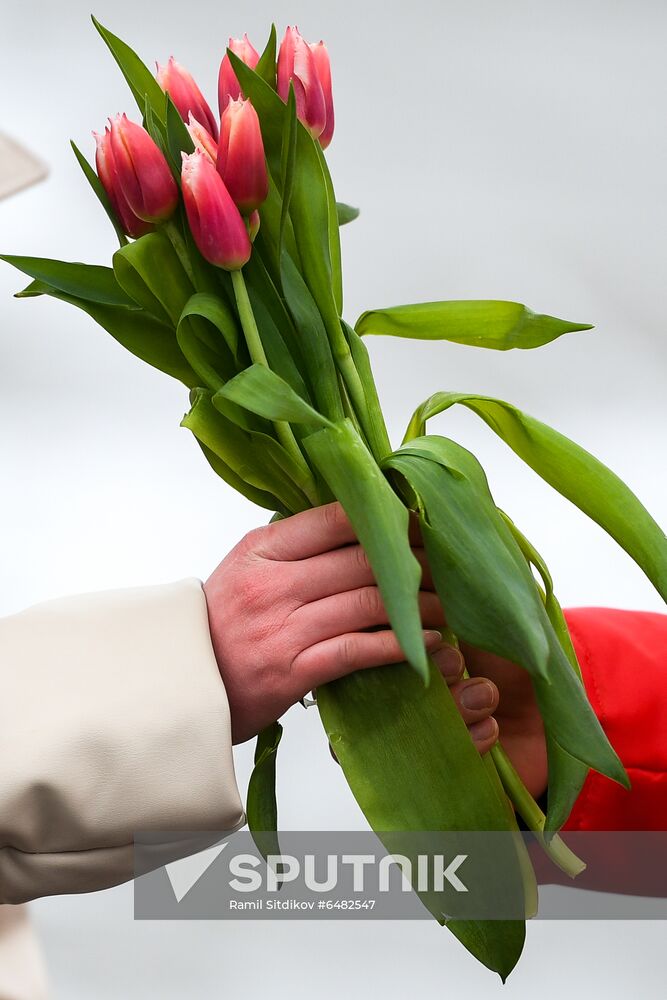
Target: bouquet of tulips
pixel 228 278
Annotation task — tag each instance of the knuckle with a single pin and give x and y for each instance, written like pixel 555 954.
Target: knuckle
pixel 370 601
pixel 252 540
pixel 360 558
pixel 334 515
pixel 349 650
pixel 389 644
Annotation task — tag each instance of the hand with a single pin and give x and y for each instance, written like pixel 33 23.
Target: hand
pixel 289 608
pixel 511 713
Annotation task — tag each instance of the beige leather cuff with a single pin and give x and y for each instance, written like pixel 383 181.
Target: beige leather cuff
pixel 113 720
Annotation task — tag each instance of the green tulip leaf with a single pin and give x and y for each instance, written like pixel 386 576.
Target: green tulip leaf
pixel 261 804
pixel 411 765
pixel 261 391
pixel 288 157
pixel 274 222
pixel 334 232
pixel 260 497
pixel 492 602
pixel 380 521
pixel 572 471
pixel 551 604
pixel 91 282
pixel 141 334
pixel 223 324
pixel 280 359
pixel 266 67
pixel 566 772
pixel 346 213
pixel 178 139
pixel 252 457
pixel 263 287
pixel 150 272
pixel 98 188
pixel 292 330
pixel 363 365
pixel 207 336
pixel 500 326
pixel 156 130
pixel 139 78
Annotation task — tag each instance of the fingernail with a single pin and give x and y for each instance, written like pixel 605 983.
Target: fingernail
pixel 432 638
pixel 449 661
pixel 477 696
pixel 485 730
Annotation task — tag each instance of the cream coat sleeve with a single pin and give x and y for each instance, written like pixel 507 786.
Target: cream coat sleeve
pixel 113 720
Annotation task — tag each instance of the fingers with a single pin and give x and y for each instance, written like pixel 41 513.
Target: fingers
pixel 343 654
pixel 354 611
pixel 311 533
pixel 449 662
pixel 484 734
pixel 342 570
pixel 304 535
pixel 477 698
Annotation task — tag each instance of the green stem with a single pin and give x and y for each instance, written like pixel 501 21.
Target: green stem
pixel 524 803
pixel 176 238
pixel 348 409
pixel 357 395
pixel 258 357
pixel 353 383
pixel 379 436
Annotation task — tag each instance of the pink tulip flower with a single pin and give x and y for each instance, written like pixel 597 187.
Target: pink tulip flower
pixel 296 63
pixel 323 70
pixel 106 171
pixel 143 174
pixel 202 138
pixel 216 223
pixel 228 86
pixel 241 162
pixel 186 95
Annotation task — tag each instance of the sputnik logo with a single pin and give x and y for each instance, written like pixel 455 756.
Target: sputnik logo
pixel 185 873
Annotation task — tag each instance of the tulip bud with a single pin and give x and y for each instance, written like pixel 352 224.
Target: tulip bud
pixel 186 95
pixel 253 225
pixel 215 221
pixel 228 86
pixel 241 162
pixel 323 70
pixel 296 63
pixel 106 171
pixel 143 174
pixel 202 139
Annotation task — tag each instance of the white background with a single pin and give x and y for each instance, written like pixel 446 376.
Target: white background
pixel 513 150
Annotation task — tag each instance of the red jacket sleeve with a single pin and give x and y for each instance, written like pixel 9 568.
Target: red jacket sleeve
pixel 623 657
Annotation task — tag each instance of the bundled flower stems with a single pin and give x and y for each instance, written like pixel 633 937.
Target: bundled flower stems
pixel 228 278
